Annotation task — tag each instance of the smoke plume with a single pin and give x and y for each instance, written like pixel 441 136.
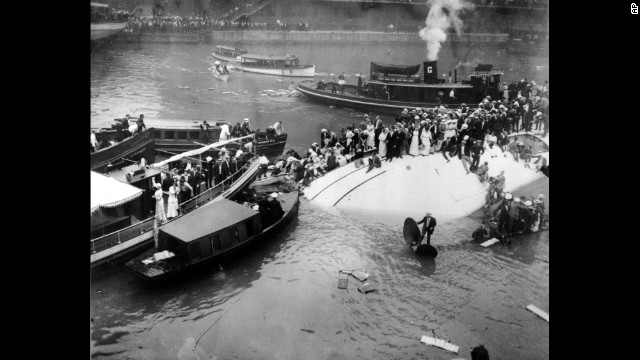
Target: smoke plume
pixel 442 15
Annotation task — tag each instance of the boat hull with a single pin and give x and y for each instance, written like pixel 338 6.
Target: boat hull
pixel 302 71
pixel 224 58
pixel 290 206
pixel 221 77
pixel 383 106
pixel 105 30
pixel 132 148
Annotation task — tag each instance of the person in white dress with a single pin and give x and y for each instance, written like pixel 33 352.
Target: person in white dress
pixel 383 142
pixel 371 140
pixel 160 215
pixel 172 204
pixel 225 134
pixel 425 136
pixel 414 149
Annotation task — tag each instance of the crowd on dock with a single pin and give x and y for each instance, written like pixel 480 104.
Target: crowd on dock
pixel 191 24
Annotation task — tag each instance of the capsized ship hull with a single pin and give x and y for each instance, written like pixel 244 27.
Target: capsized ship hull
pixel 411 186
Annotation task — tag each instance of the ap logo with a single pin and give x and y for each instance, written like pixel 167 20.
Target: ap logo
pixel 634 8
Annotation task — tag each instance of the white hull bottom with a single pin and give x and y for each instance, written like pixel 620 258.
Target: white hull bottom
pixel 307 72
pixel 411 186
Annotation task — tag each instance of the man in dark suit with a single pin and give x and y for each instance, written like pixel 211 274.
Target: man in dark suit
pixel 209 171
pixel 197 179
pixel 391 143
pixel 167 182
pixel 400 137
pixel 332 163
pixel 476 152
pixel 220 171
pixel 428 227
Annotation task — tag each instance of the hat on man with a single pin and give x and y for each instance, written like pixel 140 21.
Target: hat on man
pixel 274 195
pixel 466 137
pixel 464 126
pixel 540 196
pixel 314 144
pixel 323 130
pixel 246 119
pixel 508 196
pixel 416 117
pixel 528 203
pixel 256 207
pixel 209 158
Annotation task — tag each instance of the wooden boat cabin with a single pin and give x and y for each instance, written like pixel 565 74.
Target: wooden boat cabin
pixel 403 83
pixel 268 61
pixel 229 52
pixel 215 229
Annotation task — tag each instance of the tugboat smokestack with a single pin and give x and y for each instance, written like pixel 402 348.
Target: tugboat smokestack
pixel 430 72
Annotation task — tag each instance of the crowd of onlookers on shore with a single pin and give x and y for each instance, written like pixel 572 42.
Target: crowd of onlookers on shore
pixel 190 24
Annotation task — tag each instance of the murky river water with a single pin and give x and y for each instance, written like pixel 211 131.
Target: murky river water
pixel 280 300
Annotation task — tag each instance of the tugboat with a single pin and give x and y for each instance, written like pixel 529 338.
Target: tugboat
pixel 395 87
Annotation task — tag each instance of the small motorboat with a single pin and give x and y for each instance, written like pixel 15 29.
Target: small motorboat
pixel 217 73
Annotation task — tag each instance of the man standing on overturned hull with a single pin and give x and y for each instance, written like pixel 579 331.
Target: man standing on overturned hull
pixel 428 227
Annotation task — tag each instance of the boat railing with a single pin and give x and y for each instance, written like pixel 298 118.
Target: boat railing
pixel 118 237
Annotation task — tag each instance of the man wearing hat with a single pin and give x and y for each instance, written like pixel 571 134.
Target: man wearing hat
pixel 209 171
pixel 245 129
pixel 324 137
pixel 204 132
pixel 428 227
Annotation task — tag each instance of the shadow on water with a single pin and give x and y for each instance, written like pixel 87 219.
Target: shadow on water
pixel 122 304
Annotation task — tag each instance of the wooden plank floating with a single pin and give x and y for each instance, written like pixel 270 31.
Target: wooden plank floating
pixel 489 242
pixel 538 312
pixel 343 280
pixel 440 343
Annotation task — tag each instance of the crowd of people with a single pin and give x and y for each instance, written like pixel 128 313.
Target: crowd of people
pixel 184 180
pixel 124 128
pixel 506 216
pixel 191 24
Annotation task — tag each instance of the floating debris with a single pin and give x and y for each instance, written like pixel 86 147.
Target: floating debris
pixel 440 343
pixel 182 87
pixel 367 288
pixel 489 242
pixel 538 312
pixel 343 280
pixel 211 88
pixel 362 276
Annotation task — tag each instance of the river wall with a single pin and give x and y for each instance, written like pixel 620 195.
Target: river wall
pixel 316 37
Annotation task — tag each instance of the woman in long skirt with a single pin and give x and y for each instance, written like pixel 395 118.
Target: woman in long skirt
pixel 371 141
pixel 172 204
pixel 425 136
pixel 414 147
pixel 383 142
pixel 161 216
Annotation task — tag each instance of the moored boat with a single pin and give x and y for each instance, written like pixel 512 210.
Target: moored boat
pixel 114 156
pixel 123 230
pixel 394 87
pixel 227 53
pixel 169 139
pixel 102 29
pixel 288 65
pixel 218 229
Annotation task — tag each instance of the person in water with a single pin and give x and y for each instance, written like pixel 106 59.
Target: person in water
pixel 428 227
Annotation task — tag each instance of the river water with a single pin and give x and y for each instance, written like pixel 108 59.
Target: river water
pixel 280 300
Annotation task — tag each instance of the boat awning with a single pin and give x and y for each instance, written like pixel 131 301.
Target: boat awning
pixel 208 219
pixel 108 192
pixel 395 69
pixel 99 5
